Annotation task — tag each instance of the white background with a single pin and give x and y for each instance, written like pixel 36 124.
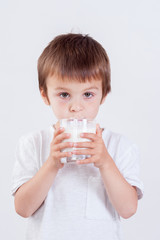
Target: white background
pixel 130 33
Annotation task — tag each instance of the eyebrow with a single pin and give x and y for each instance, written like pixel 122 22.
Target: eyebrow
pixel 67 89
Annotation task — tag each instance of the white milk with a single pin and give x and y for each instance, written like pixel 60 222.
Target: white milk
pixel 75 127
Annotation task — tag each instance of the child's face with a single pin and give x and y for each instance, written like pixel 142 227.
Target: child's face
pixel 70 99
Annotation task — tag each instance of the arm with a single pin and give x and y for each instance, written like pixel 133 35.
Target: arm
pixel 31 194
pixel 122 195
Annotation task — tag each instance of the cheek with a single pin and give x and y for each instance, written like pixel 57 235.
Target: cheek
pixel 58 102
pixel 92 104
pixel 92 109
pixel 59 108
pixel 59 105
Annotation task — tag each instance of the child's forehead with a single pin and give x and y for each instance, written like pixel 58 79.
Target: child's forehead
pixel 57 83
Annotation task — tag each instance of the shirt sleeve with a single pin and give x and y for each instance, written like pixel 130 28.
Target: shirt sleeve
pixel 129 166
pixel 25 163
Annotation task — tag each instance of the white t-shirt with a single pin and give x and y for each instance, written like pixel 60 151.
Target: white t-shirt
pixel 77 205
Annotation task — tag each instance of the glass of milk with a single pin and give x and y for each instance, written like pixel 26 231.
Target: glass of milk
pixel 75 127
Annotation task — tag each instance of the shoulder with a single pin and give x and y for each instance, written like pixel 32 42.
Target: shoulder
pixel 116 138
pixel 118 144
pixel 36 137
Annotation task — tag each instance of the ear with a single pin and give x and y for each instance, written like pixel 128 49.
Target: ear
pixel 103 99
pixel 44 97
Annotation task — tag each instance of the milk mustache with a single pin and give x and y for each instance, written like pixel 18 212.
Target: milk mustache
pixel 75 127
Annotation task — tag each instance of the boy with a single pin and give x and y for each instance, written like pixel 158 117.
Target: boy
pixel 83 200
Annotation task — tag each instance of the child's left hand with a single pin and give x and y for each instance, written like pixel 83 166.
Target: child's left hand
pixel 96 148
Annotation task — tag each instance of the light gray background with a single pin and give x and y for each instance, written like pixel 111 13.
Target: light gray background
pixel 130 33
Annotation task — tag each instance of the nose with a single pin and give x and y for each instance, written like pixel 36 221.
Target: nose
pixel 75 107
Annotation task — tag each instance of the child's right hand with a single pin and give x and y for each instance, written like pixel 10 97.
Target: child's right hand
pixel 57 145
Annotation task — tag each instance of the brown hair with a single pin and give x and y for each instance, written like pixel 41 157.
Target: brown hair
pixel 74 57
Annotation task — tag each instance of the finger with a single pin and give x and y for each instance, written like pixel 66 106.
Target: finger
pixel 84 144
pixel 64 154
pixel 91 136
pixel 58 131
pixel 62 136
pixel 57 125
pixel 83 152
pixel 98 130
pixel 57 128
pixel 58 154
pixel 63 145
pixel 85 161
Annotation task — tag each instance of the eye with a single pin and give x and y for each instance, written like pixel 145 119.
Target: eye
pixel 88 94
pixel 64 95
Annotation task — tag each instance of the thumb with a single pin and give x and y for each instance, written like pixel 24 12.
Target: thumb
pixel 57 125
pixel 98 130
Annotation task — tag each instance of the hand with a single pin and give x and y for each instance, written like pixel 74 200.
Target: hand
pixel 96 148
pixel 57 145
